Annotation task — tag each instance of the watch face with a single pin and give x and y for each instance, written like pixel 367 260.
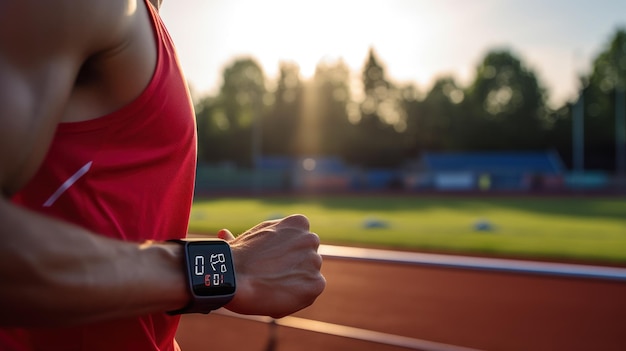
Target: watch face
pixel 211 268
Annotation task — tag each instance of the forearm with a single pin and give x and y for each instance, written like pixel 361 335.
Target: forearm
pixel 54 273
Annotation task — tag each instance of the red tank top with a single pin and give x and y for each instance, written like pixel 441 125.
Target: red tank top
pixel 127 175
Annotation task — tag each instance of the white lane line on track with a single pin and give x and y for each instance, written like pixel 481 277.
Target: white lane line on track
pixel 476 263
pixel 350 332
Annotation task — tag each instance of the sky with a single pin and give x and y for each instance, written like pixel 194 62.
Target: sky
pixel 415 40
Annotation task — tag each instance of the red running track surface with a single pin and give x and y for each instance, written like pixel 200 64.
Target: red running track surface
pixel 450 307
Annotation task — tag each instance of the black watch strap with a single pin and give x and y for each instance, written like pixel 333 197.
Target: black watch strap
pixel 196 306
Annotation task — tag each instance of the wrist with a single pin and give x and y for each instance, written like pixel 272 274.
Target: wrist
pixel 246 284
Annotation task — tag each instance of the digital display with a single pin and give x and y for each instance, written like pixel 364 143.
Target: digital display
pixel 211 268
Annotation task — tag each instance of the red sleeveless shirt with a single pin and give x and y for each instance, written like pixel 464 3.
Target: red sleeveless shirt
pixel 127 175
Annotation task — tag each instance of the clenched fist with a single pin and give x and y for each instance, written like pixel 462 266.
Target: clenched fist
pixel 278 267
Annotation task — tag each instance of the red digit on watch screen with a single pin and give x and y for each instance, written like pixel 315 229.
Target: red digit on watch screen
pixel 207 280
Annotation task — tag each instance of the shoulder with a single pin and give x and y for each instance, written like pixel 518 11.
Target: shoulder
pixel 68 25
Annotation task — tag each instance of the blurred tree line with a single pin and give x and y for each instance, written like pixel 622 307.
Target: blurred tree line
pixel 377 123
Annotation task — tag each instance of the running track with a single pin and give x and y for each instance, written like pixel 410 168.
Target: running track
pixel 380 300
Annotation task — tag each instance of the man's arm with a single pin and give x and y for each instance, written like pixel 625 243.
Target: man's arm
pixel 54 273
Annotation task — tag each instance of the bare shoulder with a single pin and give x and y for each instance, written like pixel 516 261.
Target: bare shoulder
pixel 67 24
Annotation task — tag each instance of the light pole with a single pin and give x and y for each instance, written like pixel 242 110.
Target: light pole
pixel 578 120
pixel 257 136
pixel 620 113
pixel 620 132
pixel 578 133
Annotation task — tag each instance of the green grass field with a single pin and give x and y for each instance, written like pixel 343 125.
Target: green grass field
pixel 587 229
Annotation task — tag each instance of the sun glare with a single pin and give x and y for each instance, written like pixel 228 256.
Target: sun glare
pixel 327 30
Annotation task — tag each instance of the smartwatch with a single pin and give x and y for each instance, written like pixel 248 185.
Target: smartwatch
pixel 210 274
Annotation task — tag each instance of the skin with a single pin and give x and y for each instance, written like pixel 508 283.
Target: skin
pixel 50 280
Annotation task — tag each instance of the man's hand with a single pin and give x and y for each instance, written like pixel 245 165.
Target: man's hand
pixel 278 267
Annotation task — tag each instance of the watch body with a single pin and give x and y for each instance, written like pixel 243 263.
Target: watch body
pixel 210 274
